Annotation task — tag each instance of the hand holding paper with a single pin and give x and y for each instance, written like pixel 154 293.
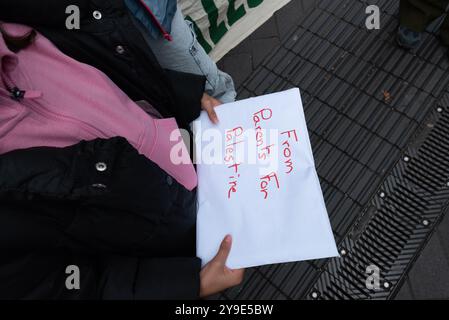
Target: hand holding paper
pixel 215 276
pixel 258 182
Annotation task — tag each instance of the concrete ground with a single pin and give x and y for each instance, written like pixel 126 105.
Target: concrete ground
pixel 429 275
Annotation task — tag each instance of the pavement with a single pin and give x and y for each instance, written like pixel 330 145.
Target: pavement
pixel 365 102
pixel 246 57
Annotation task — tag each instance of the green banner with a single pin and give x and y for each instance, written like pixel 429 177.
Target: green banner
pixel 222 24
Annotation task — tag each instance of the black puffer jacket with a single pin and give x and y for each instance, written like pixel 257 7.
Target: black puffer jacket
pixel 130 229
pixel 110 41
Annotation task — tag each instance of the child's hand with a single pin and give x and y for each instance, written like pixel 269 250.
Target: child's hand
pixel 208 104
pixel 215 276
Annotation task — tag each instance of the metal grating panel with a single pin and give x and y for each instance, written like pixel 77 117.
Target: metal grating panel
pixel 398 221
pixel 379 125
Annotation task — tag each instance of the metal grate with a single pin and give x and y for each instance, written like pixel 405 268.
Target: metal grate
pixel 379 124
pixel 398 221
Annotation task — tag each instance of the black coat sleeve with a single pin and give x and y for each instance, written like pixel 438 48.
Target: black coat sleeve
pixel 44 275
pixel 48 204
pixel 149 279
pixel 189 89
pixel 49 13
pixel 56 196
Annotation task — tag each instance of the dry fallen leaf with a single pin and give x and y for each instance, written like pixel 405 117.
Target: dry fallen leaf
pixel 387 96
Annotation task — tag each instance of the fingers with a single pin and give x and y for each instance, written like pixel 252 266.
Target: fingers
pixel 212 115
pixel 208 104
pixel 225 249
pixel 215 102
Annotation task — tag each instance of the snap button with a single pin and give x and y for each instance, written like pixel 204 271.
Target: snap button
pixel 101 166
pixel 97 15
pixel 99 186
pixel 120 50
pixel 169 180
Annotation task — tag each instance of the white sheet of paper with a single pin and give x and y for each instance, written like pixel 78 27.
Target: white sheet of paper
pixel 276 220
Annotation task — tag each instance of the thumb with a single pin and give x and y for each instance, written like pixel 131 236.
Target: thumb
pixel 225 249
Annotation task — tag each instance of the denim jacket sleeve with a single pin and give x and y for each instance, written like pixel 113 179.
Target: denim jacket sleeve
pixel 155 15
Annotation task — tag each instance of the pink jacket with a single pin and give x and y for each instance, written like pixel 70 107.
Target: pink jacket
pixel 66 101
